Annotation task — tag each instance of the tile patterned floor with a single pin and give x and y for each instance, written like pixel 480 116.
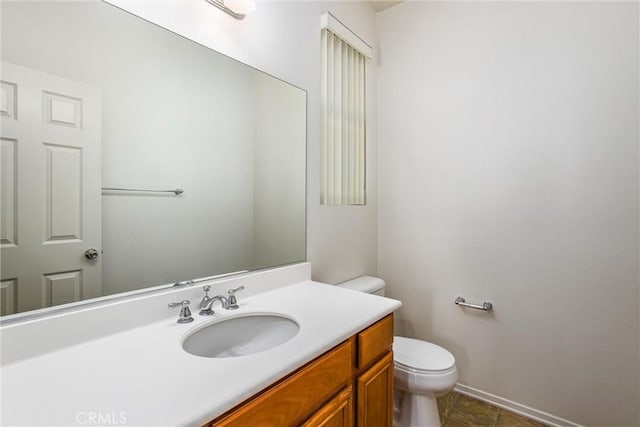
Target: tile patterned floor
pixel 458 410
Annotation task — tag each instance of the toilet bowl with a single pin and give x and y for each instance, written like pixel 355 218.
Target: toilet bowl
pixel 421 370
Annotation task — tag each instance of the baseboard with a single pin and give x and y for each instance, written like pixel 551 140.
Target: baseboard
pixel 515 407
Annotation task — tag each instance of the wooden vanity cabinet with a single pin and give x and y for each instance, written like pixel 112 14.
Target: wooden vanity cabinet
pixel 351 384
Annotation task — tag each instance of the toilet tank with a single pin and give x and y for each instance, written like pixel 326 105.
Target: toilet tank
pixel 368 284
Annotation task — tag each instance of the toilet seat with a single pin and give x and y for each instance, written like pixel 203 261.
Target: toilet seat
pixel 421 357
pixel 409 370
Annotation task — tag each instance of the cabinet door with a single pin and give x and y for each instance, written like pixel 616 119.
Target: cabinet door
pixel 375 394
pixel 338 412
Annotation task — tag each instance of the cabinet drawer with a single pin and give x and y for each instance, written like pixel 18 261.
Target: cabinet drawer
pixel 374 341
pixel 294 398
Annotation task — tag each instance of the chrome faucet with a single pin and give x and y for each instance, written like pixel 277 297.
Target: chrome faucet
pixel 185 312
pixel 230 303
pixel 207 302
pixel 233 301
pixel 206 297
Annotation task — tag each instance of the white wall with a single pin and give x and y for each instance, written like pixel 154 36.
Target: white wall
pixel 509 173
pixel 283 38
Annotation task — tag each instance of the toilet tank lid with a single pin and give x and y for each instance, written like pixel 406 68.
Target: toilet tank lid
pixel 367 284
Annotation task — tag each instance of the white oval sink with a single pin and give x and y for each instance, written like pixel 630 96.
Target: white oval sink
pixel 241 336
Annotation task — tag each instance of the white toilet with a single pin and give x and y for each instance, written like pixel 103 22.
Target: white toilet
pixel 421 370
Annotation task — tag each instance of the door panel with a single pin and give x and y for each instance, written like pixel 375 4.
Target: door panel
pixel 64 193
pixel 62 288
pixel 338 412
pixel 8 100
pixel 50 192
pixel 8 192
pixel 8 296
pixel 375 394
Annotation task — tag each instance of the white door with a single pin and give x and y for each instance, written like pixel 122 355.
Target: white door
pixel 50 178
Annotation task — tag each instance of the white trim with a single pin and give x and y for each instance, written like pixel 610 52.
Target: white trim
pixel 330 22
pixel 515 407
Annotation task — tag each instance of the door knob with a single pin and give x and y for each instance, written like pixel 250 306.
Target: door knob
pixel 91 253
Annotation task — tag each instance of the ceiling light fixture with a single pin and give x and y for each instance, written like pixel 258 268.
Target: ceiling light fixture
pixel 236 8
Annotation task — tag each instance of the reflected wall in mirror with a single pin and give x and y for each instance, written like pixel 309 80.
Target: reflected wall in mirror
pixel 94 97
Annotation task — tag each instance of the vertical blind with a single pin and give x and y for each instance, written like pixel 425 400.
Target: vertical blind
pixel 343 123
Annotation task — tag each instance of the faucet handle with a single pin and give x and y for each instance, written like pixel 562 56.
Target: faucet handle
pixel 233 301
pixel 185 312
pixel 206 297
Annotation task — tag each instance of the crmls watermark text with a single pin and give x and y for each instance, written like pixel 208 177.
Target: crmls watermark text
pixel 101 418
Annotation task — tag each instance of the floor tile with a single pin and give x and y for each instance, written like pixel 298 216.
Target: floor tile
pixel 509 419
pixel 472 412
pixel 445 404
pixel 453 423
pixel 458 410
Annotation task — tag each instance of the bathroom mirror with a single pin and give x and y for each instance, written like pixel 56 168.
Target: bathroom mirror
pixel 133 158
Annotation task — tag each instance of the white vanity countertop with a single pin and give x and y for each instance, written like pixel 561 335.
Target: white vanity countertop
pixel 142 376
